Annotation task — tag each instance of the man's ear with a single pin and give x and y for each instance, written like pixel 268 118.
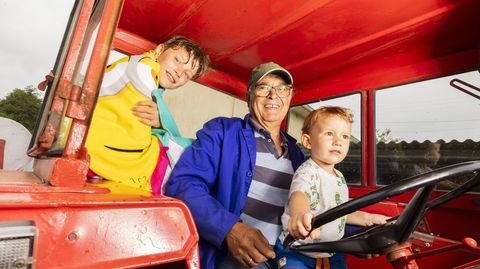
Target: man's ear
pixel 306 141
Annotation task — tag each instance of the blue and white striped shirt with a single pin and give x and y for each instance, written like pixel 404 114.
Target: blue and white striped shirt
pixel 271 181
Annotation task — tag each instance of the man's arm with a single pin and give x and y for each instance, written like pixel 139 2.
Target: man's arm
pixel 192 180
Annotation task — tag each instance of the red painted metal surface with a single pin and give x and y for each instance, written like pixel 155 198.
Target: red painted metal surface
pixel 65 171
pixel 399 258
pixel 470 265
pixel 26 182
pixel 74 101
pixel 446 252
pixel 65 81
pixel 2 152
pixel 80 110
pixel 102 230
pixel 467 243
pixel 329 46
pixel 131 44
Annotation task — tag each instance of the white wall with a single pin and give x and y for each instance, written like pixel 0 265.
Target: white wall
pixel 194 104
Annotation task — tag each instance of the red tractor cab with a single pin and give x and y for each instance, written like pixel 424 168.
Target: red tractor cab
pixel 409 70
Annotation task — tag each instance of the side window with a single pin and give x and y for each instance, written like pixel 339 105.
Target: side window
pixel 193 104
pixel 426 125
pixel 351 166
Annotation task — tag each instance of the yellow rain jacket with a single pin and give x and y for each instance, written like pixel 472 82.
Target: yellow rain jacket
pixel 121 148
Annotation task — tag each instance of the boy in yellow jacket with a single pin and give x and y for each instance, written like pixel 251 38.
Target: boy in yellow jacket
pixel 120 142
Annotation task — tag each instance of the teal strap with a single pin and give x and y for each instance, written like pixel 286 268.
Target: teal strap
pixel 168 129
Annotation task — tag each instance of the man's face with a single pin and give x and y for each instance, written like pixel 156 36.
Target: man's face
pixel 176 67
pixel 270 110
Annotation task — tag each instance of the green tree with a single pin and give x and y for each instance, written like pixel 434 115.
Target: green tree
pixel 386 136
pixel 21 105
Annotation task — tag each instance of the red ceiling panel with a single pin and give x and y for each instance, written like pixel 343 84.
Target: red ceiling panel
pixel 320 42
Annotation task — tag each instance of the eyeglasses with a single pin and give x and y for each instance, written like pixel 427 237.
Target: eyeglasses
pixel 263 90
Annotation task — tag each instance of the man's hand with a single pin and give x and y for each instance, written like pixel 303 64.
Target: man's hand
pixel 248 245
pixel 147 113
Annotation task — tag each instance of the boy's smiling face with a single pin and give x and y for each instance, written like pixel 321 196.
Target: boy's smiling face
pixel 176 67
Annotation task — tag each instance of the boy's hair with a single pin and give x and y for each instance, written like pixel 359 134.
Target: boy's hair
pixel 326 111
pixel 200 58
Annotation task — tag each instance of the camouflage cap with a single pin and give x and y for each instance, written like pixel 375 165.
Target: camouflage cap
pixel 260 71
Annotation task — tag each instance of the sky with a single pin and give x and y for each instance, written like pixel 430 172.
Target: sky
pixel 30 35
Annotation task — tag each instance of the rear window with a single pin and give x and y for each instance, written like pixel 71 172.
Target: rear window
pixel 426 125
pixel 351 166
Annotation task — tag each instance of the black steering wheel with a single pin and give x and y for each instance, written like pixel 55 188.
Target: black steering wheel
pixel 380 238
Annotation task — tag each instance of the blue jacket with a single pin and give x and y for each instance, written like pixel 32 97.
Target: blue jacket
pixel 213 177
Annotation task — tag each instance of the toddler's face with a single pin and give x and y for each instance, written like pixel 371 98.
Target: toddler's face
pixel 329 140
pixel 176 67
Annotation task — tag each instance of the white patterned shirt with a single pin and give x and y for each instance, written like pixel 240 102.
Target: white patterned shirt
pixel 324 191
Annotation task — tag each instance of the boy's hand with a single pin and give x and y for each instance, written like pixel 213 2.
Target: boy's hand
pixel 362 218
pixel 373 219
pixel 299 225
pixel 147 113
pixel 315 234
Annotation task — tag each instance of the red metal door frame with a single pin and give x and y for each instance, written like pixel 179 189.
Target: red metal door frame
pixel 2 151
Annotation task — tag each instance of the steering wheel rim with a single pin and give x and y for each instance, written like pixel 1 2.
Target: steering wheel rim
pixel 380 238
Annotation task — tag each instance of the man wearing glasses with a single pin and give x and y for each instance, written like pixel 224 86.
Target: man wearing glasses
pixel 236 176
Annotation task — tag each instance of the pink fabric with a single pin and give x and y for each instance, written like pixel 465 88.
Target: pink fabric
pixel 91 174
pixel 93 178
pixel 158 174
